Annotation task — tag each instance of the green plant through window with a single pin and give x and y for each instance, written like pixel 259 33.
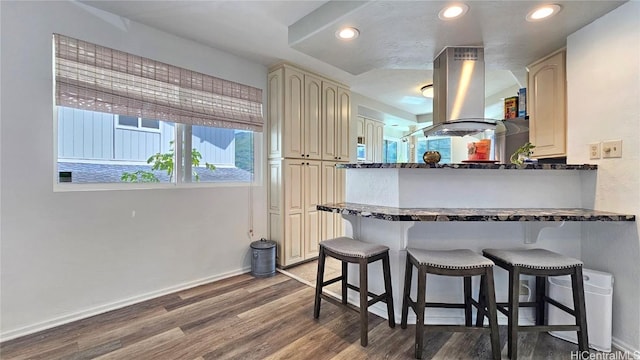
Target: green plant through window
pixel 164 162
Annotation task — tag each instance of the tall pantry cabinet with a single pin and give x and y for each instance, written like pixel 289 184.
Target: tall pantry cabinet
pixel 308 122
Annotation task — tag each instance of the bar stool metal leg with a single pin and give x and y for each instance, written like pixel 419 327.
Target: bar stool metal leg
pixel 406 292
pixel 467 300
pixel 319 283
pixel 345 272
pixel 580 311
pixel 514 306
pixel 541 290
pixel 419 309
pixel 386 269
pixel 364 304
pixel 489 297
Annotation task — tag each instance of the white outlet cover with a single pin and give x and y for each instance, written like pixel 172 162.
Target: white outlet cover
pixel 594 151
pixel 612 149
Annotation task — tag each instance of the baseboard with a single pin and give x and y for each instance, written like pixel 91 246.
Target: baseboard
pixel 634 353
pixel 48 324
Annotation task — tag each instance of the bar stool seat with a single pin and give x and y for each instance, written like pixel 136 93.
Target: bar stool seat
pixel 348 250
pixel 353 248
pixel 463 263
pixel 541 263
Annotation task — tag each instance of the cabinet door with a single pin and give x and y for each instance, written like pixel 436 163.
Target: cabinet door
pixel 293 126
pixel 294 207
pixel 313 193
pixel 339 187
pixel 369 136
pixel 360 127
pixel 547 106
pixel 329 120
pixel 378 142
pixel 275 112
pixel 343 141
pixel 328 196
pixel 313 118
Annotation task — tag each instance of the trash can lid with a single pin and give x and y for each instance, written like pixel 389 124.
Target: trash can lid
pixel 263 244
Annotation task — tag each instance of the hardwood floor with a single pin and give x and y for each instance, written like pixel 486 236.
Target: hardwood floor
pixel 247 318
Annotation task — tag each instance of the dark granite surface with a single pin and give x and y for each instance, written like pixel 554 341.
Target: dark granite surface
pixel 473 214
pixel 527 166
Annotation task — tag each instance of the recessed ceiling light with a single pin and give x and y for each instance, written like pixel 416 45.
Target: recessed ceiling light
pixel 347 33
pixel 543 12
pixel 453 11
pixel 427 91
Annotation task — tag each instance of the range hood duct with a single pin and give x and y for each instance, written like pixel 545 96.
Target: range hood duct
pixel 458 99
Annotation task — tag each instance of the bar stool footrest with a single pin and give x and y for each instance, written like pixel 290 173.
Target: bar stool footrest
pixel 541 328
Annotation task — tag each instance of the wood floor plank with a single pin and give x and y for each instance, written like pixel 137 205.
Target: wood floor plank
pixel 205 288
pixel 49 339
pixel 166 320
pixel 140 350
pixel 216 334
pixel 248 318
pixel 325 341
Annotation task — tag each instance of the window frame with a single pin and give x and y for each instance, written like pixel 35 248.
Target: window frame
pixel 139 127
pixel 178 183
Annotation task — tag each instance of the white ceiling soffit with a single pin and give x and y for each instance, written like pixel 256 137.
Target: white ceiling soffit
pixel 409 34
pixel 392 58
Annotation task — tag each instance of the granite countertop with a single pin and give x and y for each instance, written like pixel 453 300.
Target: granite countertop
pixel 486 166
pixel 473 214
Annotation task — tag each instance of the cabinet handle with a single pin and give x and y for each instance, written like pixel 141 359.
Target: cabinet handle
pixel 339 158
pixel 307 163
pixel 307 155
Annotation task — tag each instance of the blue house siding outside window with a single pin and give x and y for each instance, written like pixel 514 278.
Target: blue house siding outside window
pixel 106 143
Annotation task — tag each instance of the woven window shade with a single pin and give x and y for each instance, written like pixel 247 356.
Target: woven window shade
pixel 98 78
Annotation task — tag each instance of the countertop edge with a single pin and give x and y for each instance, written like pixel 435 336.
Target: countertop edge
pixel 475 214
pixel 527 166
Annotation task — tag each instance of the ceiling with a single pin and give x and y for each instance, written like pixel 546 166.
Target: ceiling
pixel 392 57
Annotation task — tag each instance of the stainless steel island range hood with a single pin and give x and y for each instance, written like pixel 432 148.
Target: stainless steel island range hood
pixel 458 101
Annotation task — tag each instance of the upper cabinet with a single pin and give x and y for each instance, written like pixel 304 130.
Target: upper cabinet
pixel 373 139
pixel 546 104
pixel 308 116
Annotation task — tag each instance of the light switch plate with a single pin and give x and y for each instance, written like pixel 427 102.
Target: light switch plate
pixel 611 149
pixel 594 151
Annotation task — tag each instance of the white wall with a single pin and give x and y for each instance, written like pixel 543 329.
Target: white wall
pixel 70 254
pixel 603 76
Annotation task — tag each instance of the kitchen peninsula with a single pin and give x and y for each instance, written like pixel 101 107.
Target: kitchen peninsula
pixel 472 206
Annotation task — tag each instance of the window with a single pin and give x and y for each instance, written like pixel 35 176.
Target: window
pixel 124 118
pixel 138 123
pixel 390 151
pixel 443 146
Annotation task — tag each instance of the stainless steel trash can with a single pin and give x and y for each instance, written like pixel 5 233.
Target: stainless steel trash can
pixel 263 258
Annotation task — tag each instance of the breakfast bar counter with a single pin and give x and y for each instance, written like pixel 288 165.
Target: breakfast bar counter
pixel 471 206
pixel 473 214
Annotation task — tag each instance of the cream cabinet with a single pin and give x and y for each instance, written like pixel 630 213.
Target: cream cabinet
pixel 308 121
pixel 308 116
pixel 336 106
pixel 546 105
pixel 294 221
pixel 360 127
pixel 333 184
pixel 294 114
pixel 374 140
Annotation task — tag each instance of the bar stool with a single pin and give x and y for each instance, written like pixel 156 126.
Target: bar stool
pixel 541 263
pixel 464 263
pixel 348 250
